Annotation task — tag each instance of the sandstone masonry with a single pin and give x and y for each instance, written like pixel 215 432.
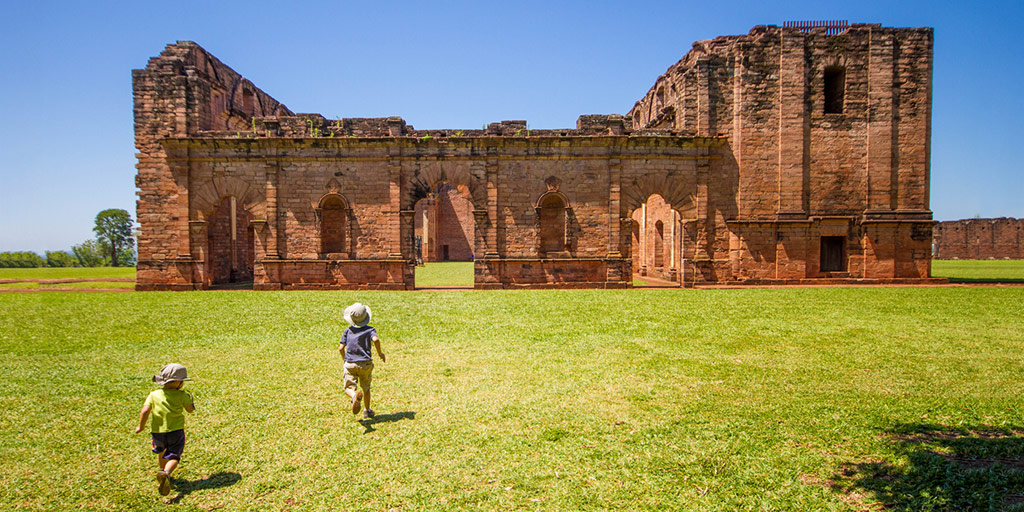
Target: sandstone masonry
pixel 980 239
pixel 784 155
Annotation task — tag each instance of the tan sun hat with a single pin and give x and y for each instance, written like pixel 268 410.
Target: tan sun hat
pixel 173 372
pixel 358 315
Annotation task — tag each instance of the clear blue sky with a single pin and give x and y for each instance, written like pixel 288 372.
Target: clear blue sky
pixel 66 146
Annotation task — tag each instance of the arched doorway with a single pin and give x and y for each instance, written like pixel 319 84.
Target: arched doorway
pixel 658 241
pixel 232 244
pixel 444 225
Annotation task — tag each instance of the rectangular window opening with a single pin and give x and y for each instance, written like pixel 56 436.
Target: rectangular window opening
pixel 835 87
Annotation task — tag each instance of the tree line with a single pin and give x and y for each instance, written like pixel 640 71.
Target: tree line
pixel 114 245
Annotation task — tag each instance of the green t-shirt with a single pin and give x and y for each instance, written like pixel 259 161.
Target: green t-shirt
pixel 168 409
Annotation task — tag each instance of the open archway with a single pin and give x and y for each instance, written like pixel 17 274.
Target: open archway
pixel 443 224
pixel 659 243
pixel 231 240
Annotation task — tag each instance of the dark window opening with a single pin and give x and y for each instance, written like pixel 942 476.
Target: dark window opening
pixel 835 87
pixel 444 253
pixel 832 259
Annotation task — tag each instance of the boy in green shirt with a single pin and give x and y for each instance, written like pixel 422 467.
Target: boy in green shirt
pixel 168 425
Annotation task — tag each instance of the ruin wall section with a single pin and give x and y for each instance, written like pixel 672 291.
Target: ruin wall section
pixel 801 171
pixel 752 175
pixel 980 239
pixel 181 93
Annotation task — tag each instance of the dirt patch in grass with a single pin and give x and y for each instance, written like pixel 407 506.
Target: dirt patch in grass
pixel 846 493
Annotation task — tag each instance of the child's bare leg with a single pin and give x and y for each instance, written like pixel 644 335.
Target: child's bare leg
pixel 161 462
pixel 366 398
pixel 170 465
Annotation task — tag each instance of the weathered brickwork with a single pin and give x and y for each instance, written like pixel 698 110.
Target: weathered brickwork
pixel 728 170
pixel 979 239
pixel 794 172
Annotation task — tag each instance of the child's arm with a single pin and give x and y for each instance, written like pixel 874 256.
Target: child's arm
pixel 341 349
pixel 191 406
pixel 376 344
pixel 143 416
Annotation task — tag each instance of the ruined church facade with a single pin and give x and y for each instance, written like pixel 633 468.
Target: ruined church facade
pixel 786 155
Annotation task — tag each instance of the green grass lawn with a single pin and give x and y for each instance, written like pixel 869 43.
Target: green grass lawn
pixel 67 272
pixel 979 270
pixel 794 399
pixel 445 273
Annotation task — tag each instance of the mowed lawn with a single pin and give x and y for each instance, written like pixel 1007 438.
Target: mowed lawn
pixel 62 278
pixel 979 270
pixel 68 273
pixel 752 399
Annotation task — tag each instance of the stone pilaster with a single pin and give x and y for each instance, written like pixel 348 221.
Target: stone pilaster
pixel 793 127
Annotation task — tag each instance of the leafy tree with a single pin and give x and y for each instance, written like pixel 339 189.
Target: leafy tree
pixel 114 233
pixel 60 259
pixel 127 257
pixel 22 259
pixel 89 254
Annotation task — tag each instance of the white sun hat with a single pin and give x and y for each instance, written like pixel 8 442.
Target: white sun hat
pixel 358 315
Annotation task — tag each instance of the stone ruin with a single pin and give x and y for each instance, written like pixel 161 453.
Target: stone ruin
pixel 794 154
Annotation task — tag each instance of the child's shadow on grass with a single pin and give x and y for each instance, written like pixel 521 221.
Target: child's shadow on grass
pixel 386 418
pixel 214 481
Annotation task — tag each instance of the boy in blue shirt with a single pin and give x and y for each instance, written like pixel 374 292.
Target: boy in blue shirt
pixel 355 346
pixel 167 405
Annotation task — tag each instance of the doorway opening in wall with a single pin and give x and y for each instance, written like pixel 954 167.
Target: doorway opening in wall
pixel 444 230
pixel 832 254
pixel 231 246
pixel 657 241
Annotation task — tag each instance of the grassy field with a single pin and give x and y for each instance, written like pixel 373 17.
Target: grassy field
pixel 445 273
pixel 979 271
pixel 68 272
pixel 797 399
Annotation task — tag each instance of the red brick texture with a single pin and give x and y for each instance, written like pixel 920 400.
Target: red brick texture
pixel 734 167
pixel 792 171
pixel 979 239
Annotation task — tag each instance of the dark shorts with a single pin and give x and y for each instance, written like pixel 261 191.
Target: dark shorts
pixel 171 444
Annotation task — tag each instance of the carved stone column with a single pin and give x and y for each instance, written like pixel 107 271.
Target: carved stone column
pixel 394 208
pixel 491 250
pixel 181 173
pixel 614 204
pixel 272 170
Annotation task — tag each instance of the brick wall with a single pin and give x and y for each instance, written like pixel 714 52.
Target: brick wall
pixel 731 151
pixel 979 239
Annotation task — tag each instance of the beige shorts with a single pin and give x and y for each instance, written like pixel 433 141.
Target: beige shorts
pixel 360 373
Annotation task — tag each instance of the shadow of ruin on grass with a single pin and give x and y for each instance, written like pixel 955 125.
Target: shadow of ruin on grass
pixel 938 467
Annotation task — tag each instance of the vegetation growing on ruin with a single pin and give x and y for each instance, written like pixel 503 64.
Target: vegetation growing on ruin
pixel 750 399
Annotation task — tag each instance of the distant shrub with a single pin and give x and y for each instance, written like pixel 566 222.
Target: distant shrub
pixel 60 259
pixel 22 259
pixel 90 254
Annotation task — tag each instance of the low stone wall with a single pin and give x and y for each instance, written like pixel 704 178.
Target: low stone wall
pixel 979 239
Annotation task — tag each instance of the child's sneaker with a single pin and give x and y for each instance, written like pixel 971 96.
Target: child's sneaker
pixel 164 480
pixel 357 402
pixel 368 414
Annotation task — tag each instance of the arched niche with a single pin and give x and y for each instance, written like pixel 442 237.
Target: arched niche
pixel 333 218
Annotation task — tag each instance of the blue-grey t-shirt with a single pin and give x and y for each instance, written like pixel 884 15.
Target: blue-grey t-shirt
pixel 357 342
